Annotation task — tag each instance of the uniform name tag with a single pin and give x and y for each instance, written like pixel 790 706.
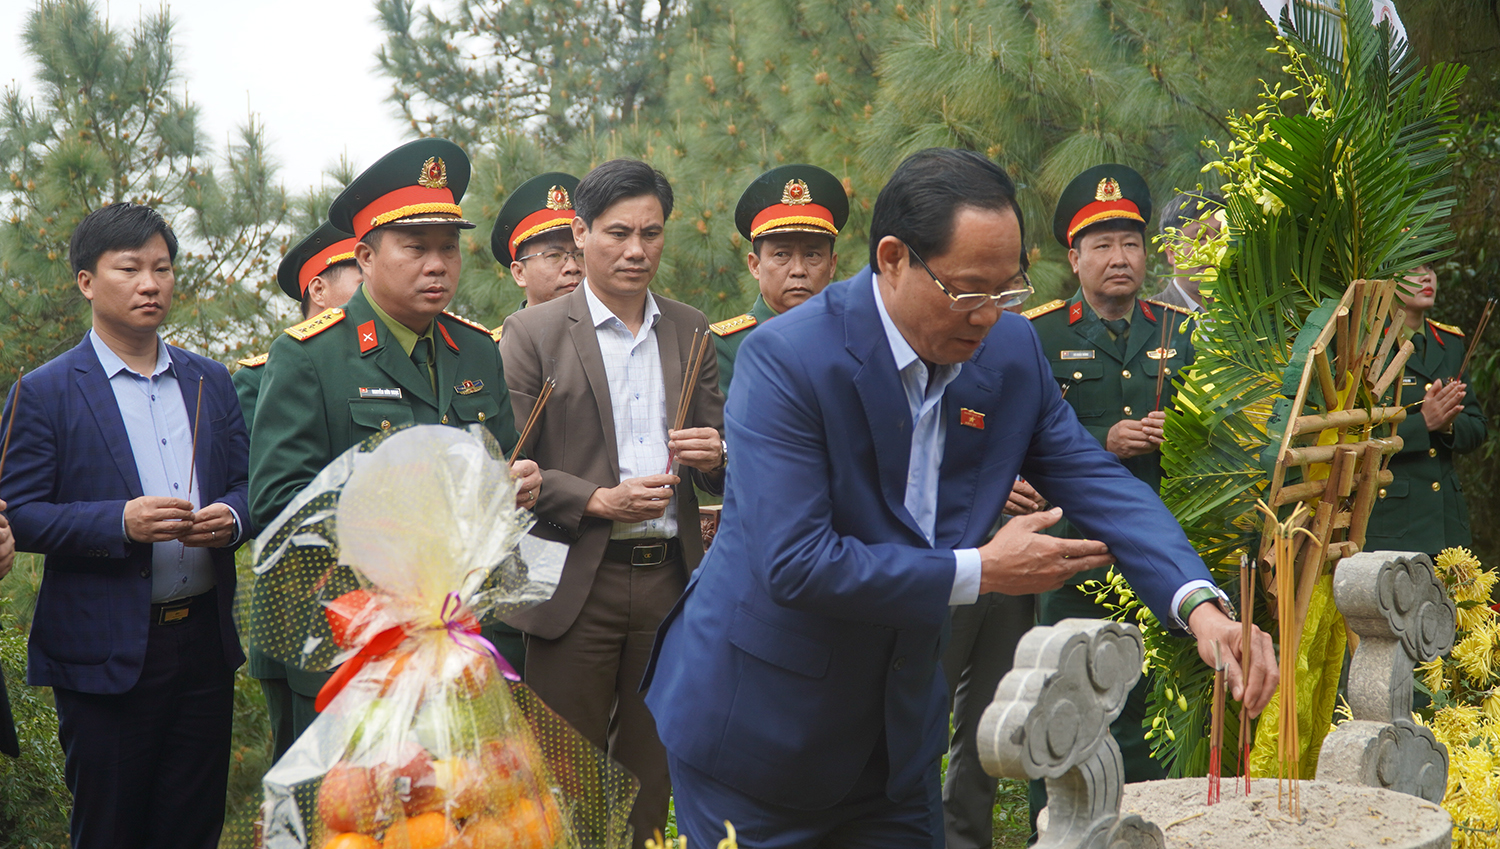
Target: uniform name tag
pixel 379 392
pixel 1408 380
pixel 1078 355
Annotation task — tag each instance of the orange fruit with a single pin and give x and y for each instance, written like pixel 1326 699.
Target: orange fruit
pixel 484 832
pixel 351 840
pixel 431 830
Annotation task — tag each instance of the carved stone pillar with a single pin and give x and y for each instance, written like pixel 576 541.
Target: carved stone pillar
pixel 1050 720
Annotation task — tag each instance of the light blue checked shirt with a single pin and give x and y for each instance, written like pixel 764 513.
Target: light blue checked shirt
pixel 638 398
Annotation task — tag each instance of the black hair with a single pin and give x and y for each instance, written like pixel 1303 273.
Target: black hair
pixel 373 237
pixel 755 245
pixel 117 227
pixel 615 181
pixel 1188 207
pixel 922 198
pixel 1110 225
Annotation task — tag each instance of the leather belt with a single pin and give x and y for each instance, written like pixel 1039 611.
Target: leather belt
pixel 643 552
pixel 178 610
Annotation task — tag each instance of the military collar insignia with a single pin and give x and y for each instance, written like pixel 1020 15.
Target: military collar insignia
pixel 434 173
pixel 796 193
pixel 557 198
pixel 1075 312
pixel 368 340
pixel 1109 189
pixel 469 387
pixel 446 338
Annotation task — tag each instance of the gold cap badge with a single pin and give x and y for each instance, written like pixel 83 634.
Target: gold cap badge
pixel 1108 189
pixel 434 173
pixel 557 198
pixel 796 193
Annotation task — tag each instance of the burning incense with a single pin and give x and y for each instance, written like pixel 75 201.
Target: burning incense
pixel 1288 635
pixel 531 420
pixel 696 354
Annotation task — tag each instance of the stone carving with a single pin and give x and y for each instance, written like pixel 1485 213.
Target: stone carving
pixel 1050 720
pixel 1403 616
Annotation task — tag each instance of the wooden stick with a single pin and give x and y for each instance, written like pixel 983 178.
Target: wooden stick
pixel 1216 729
pixel 197 414
pixel 531 420
pixel 689 384
pixel 1484 321
pixel 15 405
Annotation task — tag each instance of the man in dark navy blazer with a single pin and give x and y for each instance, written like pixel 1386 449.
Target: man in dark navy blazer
pixel 132 627
pixel 876 431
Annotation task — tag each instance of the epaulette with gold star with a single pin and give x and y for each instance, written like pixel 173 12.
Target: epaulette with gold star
pixel 256 361
pixel 315 325
pixel 467 323
pixel 1447 328
pixel 731 326
pixel 1044 309
pixel 1166 306
pixel 495 334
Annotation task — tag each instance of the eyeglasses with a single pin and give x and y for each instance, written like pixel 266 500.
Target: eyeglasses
pixel 555 257
pixel 974 300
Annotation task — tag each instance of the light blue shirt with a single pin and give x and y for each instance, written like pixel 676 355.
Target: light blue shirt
pixel 638 399
pixel 161 440
pixel 929 435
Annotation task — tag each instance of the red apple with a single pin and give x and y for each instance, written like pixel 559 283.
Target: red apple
pixel 347 798
pixel 413 780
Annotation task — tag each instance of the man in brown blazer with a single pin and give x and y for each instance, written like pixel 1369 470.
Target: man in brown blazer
pixel 611 462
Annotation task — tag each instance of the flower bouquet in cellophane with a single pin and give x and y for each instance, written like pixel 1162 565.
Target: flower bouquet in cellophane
pixel 383 570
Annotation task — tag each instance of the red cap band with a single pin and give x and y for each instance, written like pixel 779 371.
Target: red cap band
pixel 807 216
pixel 1103 210
pixel 404 203
pixel 319 262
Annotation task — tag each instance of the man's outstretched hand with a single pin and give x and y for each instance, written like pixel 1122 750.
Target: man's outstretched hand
pixel 1209 623
pixel 1021 560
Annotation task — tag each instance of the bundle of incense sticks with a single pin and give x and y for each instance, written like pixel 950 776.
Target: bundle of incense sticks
pixel 531 420
pixel 1216 729
pixel 1484 321
pixel 1289 628
pixel 1247 618
pixel 197 413
pixel 1161 364
pixel 15 407
pixel 696 352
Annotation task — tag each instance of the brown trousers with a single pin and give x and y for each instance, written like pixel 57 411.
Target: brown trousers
pixel 591 675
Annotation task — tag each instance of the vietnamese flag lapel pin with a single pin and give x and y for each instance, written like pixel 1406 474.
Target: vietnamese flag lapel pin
pixel 971 418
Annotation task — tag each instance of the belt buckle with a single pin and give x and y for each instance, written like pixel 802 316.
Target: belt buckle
pixel 648 555
pixel 168 615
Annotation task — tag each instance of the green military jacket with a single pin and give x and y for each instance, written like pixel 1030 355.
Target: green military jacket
pixel 246 381
pixel 340 377
pixel 1422 508
pixel 1102 386
pixel 730 333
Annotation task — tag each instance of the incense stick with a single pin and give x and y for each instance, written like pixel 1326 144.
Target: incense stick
pixel 1216 729
pixel 531 420
pixel 197 414
pixel 1247 614
pixel 15 405
pixel 1484 321
pixel 696 355
pixel 1161 365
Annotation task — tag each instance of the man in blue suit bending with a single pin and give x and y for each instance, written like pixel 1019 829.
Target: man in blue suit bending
pixel 132 481
pixel 873 437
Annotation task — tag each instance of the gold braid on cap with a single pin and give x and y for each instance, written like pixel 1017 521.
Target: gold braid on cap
pixel 400 212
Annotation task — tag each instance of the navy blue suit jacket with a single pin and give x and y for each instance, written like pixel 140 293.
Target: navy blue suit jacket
pixel 67 478
pixel 816 618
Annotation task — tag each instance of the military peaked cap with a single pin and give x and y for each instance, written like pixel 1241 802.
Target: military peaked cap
pixel 326 247
pixel 1101 193
pixel 540 205
pixel 792 199
pixel 420 182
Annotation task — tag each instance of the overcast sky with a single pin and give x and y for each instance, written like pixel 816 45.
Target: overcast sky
pixel 284 60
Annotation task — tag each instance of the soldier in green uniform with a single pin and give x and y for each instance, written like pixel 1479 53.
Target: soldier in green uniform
pixel 320 273
pixel 791 216
pixel 1422 508
pixel 534 236
pixel 1106 349
pixel 392 355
